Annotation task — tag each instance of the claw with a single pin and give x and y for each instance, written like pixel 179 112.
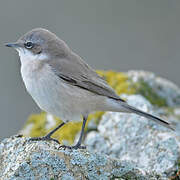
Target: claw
pixel 45 138
pixel 73 147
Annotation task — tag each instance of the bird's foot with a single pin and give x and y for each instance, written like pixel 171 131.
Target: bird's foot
pixel 44 138
pixel 77 146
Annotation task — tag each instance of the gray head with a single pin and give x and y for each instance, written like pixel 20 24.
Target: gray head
pixel 40 43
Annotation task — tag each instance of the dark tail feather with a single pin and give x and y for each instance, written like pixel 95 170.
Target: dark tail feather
pixel 149 116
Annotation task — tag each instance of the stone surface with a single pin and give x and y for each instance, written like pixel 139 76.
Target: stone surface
pixel 22 159
pixel 161 86
pixel 130 137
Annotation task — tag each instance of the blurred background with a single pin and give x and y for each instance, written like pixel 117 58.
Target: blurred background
pixel 109 34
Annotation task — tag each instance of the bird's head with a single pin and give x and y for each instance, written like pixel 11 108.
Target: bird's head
pixel 39 44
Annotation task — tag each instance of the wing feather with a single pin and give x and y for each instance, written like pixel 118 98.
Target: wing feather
pixel 75 71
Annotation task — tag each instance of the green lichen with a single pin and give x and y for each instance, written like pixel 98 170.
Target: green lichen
pixel 149 93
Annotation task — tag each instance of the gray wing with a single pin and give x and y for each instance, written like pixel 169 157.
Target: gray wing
pixel 75 71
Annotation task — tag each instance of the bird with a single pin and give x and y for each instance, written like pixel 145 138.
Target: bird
pixel 64 85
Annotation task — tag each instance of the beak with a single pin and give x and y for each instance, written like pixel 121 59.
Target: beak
pixel 13 45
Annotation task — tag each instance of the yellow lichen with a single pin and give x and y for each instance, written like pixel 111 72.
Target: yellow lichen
pixel 117 80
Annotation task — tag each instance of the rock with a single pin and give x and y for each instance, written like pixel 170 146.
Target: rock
pixel 23 159
pixel 161 87
pixel 151 147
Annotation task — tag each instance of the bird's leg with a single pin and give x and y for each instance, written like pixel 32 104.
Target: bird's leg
pixel 48 136
pixel 78 145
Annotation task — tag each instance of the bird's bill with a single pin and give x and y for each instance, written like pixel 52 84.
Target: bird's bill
pixel 14 45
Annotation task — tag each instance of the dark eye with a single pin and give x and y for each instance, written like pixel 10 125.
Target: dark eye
pixel 29 45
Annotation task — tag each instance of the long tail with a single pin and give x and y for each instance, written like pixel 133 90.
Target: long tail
pixel 149 116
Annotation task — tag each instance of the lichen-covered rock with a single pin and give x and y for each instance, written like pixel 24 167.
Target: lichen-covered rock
pixel 22 159
pixel 130 137
pixel 159 91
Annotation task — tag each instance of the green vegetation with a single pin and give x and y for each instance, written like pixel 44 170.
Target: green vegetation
pixel 149 93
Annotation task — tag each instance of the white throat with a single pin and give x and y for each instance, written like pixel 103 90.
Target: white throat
pixel 26 55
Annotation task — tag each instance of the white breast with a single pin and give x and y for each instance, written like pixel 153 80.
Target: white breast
pixel 55 96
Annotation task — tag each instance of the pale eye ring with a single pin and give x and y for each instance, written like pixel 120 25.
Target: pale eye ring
pixel 29 45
